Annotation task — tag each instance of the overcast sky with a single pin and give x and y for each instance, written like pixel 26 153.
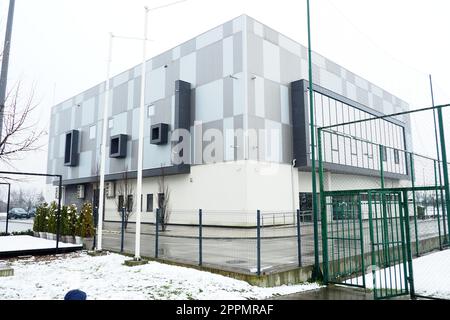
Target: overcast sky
pixel 60 46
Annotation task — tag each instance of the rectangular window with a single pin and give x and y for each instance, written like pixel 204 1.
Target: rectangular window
pixel 120 203
pixel 149 202
pixel 396 156
pixel 130 203
pixel 384 155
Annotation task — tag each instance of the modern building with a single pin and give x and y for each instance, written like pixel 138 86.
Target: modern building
pixel 241 77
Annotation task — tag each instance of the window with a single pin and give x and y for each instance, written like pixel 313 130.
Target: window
pixel 130 203
pixel 120 203
pixel 396 156
pixel 92 132
pixel 149 202
pixel 384 155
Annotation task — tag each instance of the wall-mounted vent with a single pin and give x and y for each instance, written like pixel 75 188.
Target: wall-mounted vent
pixel 80 191
pixel 159 133
pixel 110 190
pixel 118 146
pixel 71 154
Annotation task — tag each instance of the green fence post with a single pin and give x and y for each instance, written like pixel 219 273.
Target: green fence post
pixel 258 242
pixel 436 203
pixel 361 235
pixel 406 234
pixel 323 210
pixel 382 155
pixel 299 240
pixel 445 168
pixel 413 184
pixel 316 270
pixel 200 237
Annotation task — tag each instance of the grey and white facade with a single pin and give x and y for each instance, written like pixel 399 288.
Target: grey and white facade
pixel 240 91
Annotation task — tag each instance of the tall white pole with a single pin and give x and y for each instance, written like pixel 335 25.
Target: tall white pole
pixel 137 255
pixel 103 148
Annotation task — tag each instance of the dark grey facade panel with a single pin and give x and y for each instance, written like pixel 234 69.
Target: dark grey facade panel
pixel 148 173
pixel 182 105
pixel 299 123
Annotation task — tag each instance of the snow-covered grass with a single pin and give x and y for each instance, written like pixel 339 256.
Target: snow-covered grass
pixel 431 275
pixel 106 278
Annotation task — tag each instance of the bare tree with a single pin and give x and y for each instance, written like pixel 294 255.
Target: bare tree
pixel 20 133
pixel 164 200
pixel 125 190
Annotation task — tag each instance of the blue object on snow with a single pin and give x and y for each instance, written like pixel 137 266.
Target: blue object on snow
pixel 75 295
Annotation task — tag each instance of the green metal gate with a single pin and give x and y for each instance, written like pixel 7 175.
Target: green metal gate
pixel 390 243
pixel 343 238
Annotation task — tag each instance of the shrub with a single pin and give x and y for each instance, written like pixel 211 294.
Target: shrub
pixel 65 231
pixel 85 225
pixel 52 215
pixel 40 221
pixel 72 220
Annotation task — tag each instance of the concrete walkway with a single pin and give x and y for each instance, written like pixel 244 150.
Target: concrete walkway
pixel 330 293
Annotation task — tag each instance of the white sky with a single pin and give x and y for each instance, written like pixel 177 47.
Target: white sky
pixel 61 46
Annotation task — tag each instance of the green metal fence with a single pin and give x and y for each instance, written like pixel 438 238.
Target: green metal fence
pixel 381 205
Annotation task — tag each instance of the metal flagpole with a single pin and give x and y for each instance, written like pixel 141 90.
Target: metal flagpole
pixel 5 61
pixel 316 270
pixel 103 148
pixel 137 250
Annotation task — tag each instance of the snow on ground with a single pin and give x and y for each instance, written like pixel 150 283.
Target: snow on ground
pixel 20 243
pixel 431 275
pixel 106 278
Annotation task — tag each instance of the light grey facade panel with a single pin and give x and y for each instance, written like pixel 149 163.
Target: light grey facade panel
pixel 91 93
pixel 172 75
pixel 228 29
pixel 137 92
pixel 251 96
pixel 255 146
pixel 255 55
pixel 163 59
pixel 239 139
pixel 120 99
pixel 271 35
pixel 290 65
pixel 209 63
pixel 188 47
pixel 272 100
pixel 217 126
pixel 286 138
pixel 362 96
pixel 333 68
pixel 228 97
pixel 238 52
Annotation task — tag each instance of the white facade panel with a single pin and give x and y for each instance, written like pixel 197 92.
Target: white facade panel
pixel 209 102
